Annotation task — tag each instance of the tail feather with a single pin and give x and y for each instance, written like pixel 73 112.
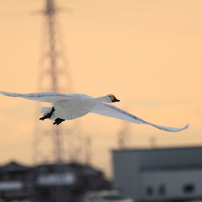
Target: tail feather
pixel 45 110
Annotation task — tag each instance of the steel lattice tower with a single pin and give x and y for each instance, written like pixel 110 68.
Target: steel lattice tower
pixel 55 144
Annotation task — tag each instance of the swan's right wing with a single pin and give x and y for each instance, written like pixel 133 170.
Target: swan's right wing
pixel 42 97
pixel 115 112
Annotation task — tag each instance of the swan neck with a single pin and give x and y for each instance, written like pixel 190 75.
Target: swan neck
pixel 100 99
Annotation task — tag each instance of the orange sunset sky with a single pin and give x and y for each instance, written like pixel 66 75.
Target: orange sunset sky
pixel 146 52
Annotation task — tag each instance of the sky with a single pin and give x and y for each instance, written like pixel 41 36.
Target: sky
pixel 147 53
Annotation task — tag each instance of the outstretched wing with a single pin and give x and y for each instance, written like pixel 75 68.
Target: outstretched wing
pixel 42 97
pixel 115 112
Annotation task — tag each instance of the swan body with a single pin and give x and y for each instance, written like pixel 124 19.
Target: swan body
pixel 72 106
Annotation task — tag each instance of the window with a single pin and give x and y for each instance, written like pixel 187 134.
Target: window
pixel 189 188
pixel 162 189
pixel 149 191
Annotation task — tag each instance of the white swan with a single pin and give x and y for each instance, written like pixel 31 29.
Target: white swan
pixel 71 106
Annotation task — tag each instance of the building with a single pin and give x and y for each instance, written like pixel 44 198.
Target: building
pixel 49 182
pixel 164 174
pixel 16 181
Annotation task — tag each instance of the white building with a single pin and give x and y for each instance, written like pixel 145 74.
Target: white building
pixel 159 174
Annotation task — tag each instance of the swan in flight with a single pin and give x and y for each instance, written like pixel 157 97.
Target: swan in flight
pixel 72 106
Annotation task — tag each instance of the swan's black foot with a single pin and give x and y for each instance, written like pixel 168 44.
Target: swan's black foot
pixel 47 116
pixel 58 121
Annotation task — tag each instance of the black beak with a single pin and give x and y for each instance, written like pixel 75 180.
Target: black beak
pixel 115 100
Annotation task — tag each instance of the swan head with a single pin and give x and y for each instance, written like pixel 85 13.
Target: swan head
pixel 111 98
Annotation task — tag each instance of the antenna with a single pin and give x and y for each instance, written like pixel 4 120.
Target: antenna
pixel 123 136
pixel 88 150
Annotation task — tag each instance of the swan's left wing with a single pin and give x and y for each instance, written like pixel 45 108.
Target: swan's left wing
pixel 115 112
pixel 42 97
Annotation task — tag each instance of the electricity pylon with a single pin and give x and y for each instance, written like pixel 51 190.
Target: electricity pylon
pixel 62 143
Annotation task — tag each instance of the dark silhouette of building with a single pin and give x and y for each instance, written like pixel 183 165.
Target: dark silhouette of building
pixel 42 183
